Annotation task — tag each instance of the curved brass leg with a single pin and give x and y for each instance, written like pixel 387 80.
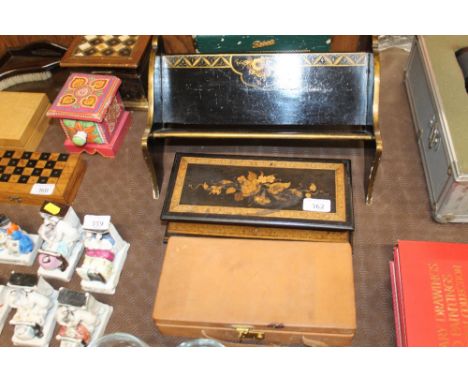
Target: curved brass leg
pixel 377 146
pixel 371 166
pixel 148 157
pixel 146 140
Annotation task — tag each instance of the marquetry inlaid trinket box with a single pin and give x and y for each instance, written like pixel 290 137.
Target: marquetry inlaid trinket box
pixel 260 191
pixel 91 114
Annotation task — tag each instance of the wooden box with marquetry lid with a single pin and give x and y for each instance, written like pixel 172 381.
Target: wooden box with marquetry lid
pixel 259 197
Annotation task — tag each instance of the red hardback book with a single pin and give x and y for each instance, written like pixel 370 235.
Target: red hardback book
pixel 396 305
pixel 430 285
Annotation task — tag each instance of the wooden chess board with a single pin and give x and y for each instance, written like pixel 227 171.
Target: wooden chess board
pixel 106 46
pixel 105 51
pixel 21 171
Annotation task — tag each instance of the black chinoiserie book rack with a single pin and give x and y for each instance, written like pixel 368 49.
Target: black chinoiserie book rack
pixel 311 97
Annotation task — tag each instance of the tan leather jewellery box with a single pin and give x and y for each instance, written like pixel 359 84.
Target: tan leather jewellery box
pixel 265 292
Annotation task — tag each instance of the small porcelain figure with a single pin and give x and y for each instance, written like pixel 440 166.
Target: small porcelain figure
pixel 105 254
pixel 16 246
pixel 61 235
pixel 82 319
pixel 4 307
pixel 35 302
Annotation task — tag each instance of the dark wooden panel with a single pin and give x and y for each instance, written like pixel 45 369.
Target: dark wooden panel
pixel 351 44
pixel 178 44
pixel 462 57
pixel 20 41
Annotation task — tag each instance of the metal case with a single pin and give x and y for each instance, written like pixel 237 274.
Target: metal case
pixel 440 137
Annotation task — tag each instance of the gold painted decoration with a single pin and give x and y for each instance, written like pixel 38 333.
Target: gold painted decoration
pixel 198 62
pixel 259 70
pixel 259 189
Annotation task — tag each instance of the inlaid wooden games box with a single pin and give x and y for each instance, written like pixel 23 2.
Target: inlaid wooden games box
pixel 22 173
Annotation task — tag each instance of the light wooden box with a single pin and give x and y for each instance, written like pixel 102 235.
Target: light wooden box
pixel 23 120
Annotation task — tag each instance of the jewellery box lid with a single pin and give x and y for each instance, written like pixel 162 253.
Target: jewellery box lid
pixel 85 97
pixel 300 286
pixel 20 114
pixel 260 191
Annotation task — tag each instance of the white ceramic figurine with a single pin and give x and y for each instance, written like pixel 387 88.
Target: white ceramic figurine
pixel 4 307
pixel 35 302
pixel 62 245
pixel 105 254
pixel 82 319
pixel 16 246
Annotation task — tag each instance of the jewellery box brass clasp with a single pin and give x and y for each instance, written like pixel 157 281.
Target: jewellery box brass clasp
pixel 245 332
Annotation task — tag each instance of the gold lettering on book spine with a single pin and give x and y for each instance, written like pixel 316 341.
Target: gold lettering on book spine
pixel 263 43
pixel 450 305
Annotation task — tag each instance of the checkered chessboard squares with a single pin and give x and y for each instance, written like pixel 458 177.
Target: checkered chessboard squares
pixel 100 45
pixel 31 167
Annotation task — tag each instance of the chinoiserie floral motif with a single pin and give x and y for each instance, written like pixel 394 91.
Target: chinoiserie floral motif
pixel 259 189
pixel 254 71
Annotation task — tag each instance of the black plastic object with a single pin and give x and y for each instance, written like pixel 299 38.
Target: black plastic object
pixel 462 58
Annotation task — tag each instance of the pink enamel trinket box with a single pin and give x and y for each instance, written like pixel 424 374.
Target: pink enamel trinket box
pixel 91 114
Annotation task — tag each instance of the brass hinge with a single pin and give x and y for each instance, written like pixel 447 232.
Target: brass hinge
pixel 246 332
pixel 418 133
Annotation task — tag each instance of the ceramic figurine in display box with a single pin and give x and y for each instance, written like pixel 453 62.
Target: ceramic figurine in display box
pixel 16 246
pixel 35 302
pixel 81 317
pixel 91 114
pixel 105 254
pixel 61 235
pixel 4 307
